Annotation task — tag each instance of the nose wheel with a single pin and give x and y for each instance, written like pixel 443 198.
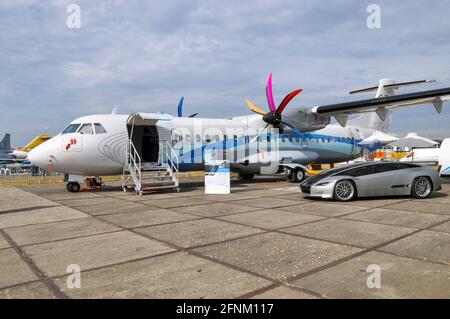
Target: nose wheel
pixel 73 187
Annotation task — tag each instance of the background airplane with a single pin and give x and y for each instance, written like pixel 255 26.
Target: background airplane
pixel 114 144
pixel 9 155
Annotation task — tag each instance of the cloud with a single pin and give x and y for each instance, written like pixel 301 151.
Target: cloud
pixel 144 55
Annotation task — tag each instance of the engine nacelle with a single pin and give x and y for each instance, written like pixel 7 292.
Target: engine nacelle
pixel 305 121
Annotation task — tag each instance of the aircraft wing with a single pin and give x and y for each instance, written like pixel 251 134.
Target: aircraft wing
pixel 11 160
pixel 381 105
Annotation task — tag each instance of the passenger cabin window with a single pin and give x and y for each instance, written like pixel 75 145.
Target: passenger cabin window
pixel 99 129
pixel 207 138
pixel 198 139
pixel 72 128
pixel 86 129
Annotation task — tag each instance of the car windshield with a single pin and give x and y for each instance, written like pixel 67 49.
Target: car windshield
pixel 329 172
pixel 72 128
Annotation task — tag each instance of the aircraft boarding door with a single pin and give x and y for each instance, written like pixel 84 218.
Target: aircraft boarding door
pixel 355 134
pixel 145 136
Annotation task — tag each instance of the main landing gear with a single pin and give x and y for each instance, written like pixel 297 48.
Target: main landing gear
pixel 246 177
pixel 295 175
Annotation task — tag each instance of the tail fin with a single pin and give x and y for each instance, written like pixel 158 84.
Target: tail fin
pixel 35 142
pixel 5 144
pixel 380 120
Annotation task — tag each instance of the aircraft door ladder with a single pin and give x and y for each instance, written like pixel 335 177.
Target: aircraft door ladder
pixel 146 177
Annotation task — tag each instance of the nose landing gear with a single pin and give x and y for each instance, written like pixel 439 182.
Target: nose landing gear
pixel 73 187
pixel 89 183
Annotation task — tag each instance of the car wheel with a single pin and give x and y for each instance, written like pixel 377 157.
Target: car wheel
pixel 421 187
pixel 344 191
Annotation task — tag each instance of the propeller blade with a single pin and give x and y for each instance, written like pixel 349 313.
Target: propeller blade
pixel 180 107
pixel 292 128
pixel 286 100
pixel 193 115
pixel 269 94
pixel 259 135
pixel 254 108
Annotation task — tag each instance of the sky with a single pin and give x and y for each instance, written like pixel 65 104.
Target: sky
pixel 144 55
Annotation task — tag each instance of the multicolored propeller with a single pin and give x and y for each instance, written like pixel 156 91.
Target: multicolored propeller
pixel 180 109
pixel 274 116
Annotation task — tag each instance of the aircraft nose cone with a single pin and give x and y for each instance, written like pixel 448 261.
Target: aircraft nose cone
pixel 37 157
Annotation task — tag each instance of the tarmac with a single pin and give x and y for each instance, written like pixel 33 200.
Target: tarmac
pixel 264 240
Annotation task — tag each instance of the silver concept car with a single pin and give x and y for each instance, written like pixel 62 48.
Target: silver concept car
pixel 373 179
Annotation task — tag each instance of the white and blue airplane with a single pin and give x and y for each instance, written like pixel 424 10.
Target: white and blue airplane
pixel 265 143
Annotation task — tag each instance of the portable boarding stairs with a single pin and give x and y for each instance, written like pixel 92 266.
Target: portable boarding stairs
pixel 150 176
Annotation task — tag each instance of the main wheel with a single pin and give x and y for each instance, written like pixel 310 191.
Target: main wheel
pixel 73 187
pixel 421 187
pixel 344 191
pixel 296 175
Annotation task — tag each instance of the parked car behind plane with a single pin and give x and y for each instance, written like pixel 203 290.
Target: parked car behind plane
pixel 373 179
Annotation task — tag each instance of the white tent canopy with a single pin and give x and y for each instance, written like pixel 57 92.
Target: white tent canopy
pixel 413 140
pixel 378 138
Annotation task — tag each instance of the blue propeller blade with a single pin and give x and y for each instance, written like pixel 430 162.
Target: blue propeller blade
pixel 180 107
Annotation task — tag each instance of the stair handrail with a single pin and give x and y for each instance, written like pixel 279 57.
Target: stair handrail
pixel 135 159
pixel 171 155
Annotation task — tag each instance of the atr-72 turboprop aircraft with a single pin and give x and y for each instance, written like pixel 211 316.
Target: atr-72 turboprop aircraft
pixel 265 143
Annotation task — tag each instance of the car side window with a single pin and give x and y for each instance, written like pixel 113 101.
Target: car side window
pixel 382 168
pixel 358 171
pixel 99 129
pixel 86 129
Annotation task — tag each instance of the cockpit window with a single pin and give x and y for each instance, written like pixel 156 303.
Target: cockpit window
pixel 86 129
pixel 99 129
pixel 72 128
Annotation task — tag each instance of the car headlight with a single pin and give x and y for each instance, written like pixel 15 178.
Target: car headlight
pixel 323 184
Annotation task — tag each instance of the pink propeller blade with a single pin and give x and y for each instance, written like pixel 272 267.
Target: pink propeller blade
pixel 269 94
pixel 286 100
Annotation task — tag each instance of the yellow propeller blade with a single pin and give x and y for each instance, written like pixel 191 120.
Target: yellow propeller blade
pixel 254 108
